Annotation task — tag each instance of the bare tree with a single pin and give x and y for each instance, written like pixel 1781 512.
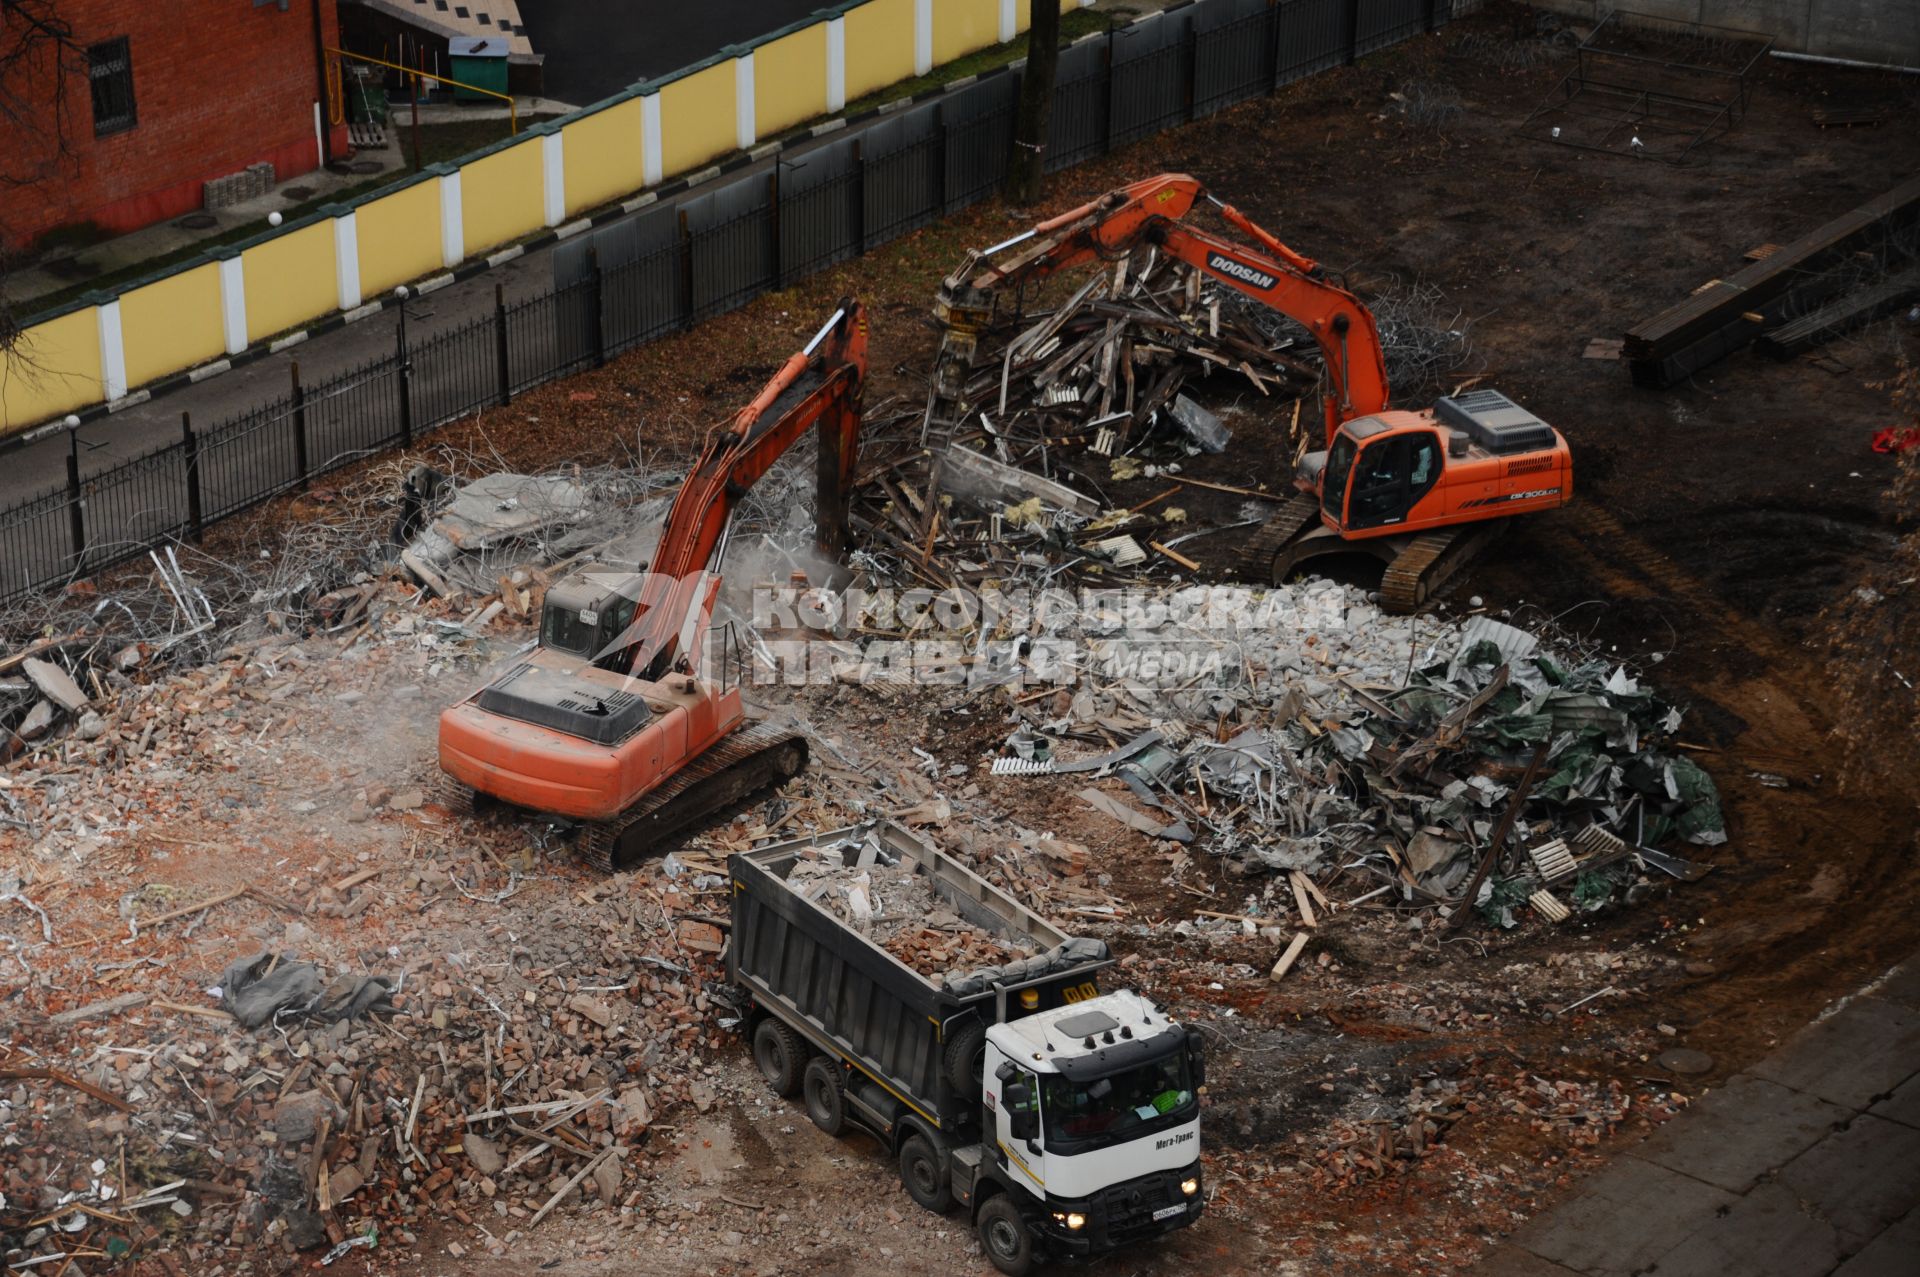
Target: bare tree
pixel 1026 167
pixel 39 58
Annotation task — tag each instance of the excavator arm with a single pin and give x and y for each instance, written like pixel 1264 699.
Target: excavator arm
pixel 1150 211
pixel 819 385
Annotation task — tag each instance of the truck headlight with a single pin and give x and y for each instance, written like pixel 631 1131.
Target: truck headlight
pixel 1190 1185
pixel 1074 1220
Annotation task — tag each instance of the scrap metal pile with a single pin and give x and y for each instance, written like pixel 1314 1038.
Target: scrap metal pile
pixel 1437 763
pixel 1060 402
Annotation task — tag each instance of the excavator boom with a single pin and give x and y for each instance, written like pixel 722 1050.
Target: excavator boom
pixel 817 385
pixel 1422 491
pixel 1150 212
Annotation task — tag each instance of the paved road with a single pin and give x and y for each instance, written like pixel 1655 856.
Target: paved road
pixel 1806 1164
pixel 595 48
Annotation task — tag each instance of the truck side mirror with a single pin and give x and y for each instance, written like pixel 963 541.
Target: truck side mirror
pixel 1022 1121
pixel 1197 1062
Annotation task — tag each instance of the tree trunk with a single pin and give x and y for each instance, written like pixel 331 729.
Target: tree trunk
pixel 1026 167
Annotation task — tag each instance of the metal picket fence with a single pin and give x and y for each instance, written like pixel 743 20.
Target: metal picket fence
pixel 668 267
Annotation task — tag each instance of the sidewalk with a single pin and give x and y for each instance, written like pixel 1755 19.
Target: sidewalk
pixel 1806 1164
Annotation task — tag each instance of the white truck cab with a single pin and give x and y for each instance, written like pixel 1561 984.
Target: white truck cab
pixel 1096 1117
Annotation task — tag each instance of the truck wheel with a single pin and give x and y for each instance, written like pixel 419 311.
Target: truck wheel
pixel 826 1104
pixel 1005 1238
pixel 923 1173
pixel 781 1054
pixel 965 1059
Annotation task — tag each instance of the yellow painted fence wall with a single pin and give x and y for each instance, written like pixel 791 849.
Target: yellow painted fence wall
pixel 290 279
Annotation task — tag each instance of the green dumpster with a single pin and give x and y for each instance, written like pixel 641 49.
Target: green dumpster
pixel 480 61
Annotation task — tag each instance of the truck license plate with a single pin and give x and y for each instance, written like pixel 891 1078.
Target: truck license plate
pixel 1168 1212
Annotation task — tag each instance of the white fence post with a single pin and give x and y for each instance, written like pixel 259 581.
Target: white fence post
pixel 745 132
pixel 113 352
pixel 836 64
pixel 233 300
pixel 346 256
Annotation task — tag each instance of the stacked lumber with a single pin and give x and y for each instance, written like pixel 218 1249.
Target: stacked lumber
pixel 1726 314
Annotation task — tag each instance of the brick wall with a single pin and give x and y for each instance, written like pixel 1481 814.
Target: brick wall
pixel 218 85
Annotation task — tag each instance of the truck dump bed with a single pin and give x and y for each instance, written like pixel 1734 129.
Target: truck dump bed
pixel 851 996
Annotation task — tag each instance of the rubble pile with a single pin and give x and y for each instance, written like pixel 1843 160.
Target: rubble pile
pixel 892 905
pixel 1331 741
pixel 1060 402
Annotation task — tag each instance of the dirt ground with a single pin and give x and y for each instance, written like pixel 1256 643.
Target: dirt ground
pixel 1714 524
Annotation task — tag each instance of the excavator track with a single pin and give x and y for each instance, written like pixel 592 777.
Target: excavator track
pixel 1420 573
pixel 751 759
pixel 452 795
pixel 1269 541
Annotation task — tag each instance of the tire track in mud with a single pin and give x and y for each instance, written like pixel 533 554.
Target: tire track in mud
pixel 1776 933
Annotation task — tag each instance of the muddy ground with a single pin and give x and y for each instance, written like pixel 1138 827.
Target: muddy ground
pixel 1714 523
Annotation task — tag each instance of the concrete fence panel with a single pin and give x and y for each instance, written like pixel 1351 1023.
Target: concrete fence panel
pixel 879 45
pixel 502 195
pixel 604 157
pixel 399 237
pixel 698 117
pixel 961 26
pixel 790 80
pixel 289 279
pixel 172 323
pixel 56 370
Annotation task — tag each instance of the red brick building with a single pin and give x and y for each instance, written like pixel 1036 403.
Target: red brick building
pixel 160 97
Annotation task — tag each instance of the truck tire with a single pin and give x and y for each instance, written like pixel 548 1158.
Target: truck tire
pixel 965 1058
pixel 1005 1237
pixel 923 1173
pixel 826 1104
pixel 781 1054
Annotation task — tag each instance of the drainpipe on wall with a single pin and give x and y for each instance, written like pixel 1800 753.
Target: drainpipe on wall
pixel 320 68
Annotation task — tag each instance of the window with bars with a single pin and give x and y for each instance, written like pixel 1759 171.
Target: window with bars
pixel 111 70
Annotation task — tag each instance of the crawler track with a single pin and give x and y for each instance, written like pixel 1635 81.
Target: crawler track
pixel 751 759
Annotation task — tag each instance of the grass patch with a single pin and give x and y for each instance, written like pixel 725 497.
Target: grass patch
pixel 440 143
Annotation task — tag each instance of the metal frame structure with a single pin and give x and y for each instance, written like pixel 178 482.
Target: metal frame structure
pixel 1650 87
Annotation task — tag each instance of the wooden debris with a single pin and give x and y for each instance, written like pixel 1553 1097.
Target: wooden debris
pixel 1292 954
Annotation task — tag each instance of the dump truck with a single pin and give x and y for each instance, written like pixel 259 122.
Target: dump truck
pixel 1065 1120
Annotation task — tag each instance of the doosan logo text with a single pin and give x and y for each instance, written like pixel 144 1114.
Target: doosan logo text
pixel 1239 270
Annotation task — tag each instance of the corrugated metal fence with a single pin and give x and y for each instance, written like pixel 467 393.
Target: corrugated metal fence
pixel 668 267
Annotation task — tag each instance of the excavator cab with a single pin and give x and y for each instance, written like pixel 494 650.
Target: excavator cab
pixel 584 614
pixel 1376 475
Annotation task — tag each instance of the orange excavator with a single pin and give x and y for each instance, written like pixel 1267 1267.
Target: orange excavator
pixel 1423 491
pixel 609 721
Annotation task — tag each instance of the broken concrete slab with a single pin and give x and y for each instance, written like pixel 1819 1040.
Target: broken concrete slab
pixel 483 1153
pixel 494 509
pixel 968 473
pixel 55 684
pixel 38 720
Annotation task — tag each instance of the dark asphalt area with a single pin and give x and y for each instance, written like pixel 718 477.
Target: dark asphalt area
pixel 595 48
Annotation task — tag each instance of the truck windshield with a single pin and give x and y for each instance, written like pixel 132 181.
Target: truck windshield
pixel 1097 1112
